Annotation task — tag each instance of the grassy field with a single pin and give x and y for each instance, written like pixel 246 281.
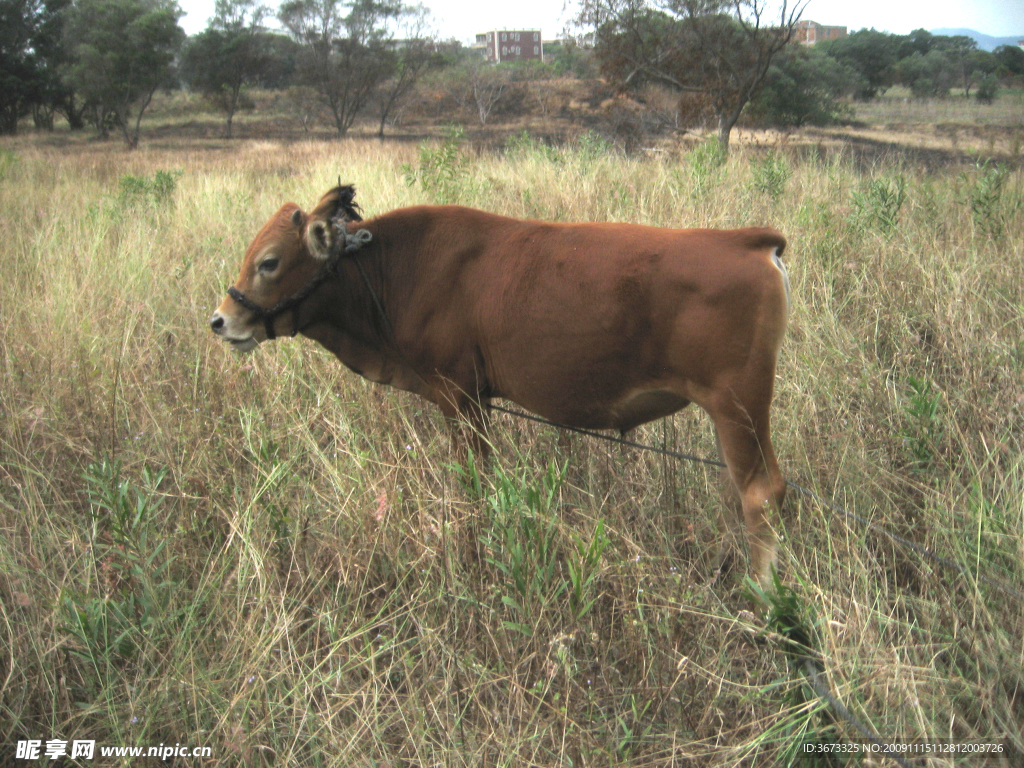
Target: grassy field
pixel 273 558
pixel 898 106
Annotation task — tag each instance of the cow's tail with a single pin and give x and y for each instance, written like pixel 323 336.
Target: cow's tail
pixel 777 261
pixel 763 239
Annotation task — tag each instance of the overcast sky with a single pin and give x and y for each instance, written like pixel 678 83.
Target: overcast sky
pixel 462 19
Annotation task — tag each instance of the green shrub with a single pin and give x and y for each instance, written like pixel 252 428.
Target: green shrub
pixel 878 203
pixel 984 193
pixel 988 89
pixel 443 171
pixel 142 190
pixel 770 174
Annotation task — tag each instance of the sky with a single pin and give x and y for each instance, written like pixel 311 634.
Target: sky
pixel 462 19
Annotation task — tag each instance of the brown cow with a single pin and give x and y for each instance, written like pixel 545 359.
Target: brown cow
pixel 603 326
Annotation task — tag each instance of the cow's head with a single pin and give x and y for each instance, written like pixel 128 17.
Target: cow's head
pixel 282 263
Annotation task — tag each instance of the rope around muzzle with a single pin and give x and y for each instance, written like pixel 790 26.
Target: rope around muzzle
pixel 352 243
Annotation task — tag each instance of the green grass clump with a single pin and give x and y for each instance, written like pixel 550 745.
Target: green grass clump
pixel 272 557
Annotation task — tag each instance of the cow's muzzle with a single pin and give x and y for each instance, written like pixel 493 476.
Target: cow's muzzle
pixel 219 324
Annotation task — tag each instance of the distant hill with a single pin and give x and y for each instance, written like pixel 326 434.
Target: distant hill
pixel 985 42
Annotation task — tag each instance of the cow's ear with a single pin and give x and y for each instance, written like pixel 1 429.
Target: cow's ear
pixel 320 238
pixel 297 217
pixel 338 203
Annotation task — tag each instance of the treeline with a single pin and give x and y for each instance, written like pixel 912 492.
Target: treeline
pixel 731 60
pixel 929 65
pixel 725 61
pixel 99 62
pixel 95 62
pixel 811 85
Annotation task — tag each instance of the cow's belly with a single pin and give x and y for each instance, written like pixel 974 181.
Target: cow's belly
pixel 582 374
pixel 590 409
pixel 640 407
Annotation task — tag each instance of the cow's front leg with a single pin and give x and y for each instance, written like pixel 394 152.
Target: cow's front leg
pixel 468 420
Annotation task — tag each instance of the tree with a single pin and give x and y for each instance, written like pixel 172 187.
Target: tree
pixel 919 41
pixel 233 52
pixel 485 84
pixel 51 60
pixel 122 51
pixel 410 54
pixel 968 65
pixel 33 64
pixel 18 70
pixel 975 67
pixel 279 72
pixel 23 72
pixel 927 75
pixel 804 86
pixel 1010 58
pixel 720 49
pixel 871 53
pixel 344 50
pixel 56 95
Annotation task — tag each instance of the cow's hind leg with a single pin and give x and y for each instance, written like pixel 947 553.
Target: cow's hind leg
pixel 754 471
pixel 730 519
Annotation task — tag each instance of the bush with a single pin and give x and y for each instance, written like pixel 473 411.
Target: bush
pixel 878 204
pixel 804 87
pixel 443 169
pixel 988 89
pixel 142 190
pixel 771 174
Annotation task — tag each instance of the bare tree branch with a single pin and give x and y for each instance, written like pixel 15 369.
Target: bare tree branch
pixel 719 48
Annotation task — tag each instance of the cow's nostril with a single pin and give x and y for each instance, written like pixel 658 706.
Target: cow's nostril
pixel 217 323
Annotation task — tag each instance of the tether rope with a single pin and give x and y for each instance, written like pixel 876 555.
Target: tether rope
pixel 926 551
pixel 812 667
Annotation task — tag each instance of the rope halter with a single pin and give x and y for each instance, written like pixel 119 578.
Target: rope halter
pixel 352 243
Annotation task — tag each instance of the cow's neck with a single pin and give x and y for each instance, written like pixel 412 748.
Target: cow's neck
pixel 352 318
pixel 368 361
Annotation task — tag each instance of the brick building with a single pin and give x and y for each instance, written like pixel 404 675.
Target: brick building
pixel 511 45
pixel 811 32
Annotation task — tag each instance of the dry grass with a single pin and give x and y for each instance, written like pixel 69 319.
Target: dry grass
pixel 898 106
pixel 948 130
pixel 272 557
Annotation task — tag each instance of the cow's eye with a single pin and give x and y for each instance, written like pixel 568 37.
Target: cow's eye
pixel 268 265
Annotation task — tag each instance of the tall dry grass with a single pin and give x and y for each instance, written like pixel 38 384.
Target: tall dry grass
pixel 270 556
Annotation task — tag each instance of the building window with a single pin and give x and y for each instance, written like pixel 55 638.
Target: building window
pixel 518 50
pixel 504 50
pixel 536 35
pixel 517 37
pixel 536 50
pixel 504 37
